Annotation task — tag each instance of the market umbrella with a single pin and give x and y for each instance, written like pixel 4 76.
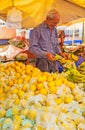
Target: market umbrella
pixel 34 11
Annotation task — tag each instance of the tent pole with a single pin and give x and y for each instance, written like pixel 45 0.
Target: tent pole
pixel 73 37
pixel 83 32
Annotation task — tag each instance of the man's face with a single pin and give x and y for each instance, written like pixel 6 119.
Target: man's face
pixel 53 22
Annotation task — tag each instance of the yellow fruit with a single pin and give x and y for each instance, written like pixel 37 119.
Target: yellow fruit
pixel 24 88
pixel 33 87
pixel 27 97
pixel 17 101
pixel 63 61
pixel 40 86
pixel 0 125
pixel 21 93
pixel 10 83
pixel 51 84
pixel 45 108
pixel 17 75
pixel 40 79
pixel 39 127
pixel 27 78
pixel 57 57
pixel 20 81
pixel 15 91
pixel 32 114
pixel 16 126
pixel 74 57
pixel 64 110
pixel 24 112
pixel 72 85
pixel 15 111
pixel 50 79
pixel 66 82
pixel 2 113
pixel 1 91
pixel 23 103
pixel 37 92
pixel 43 91
pixel 68 99
pixel 58 82
pixel 75 111
pixel 17 119
pixel 53 89
pixel 66 126
pixel 83 113
pixel 58 101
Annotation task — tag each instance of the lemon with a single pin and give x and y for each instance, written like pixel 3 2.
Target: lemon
pixel 17 101
pixel 21 93
pixel 58 82
pixel 16 126
pixel 2 113
pixel 10 83
pixel 24 88
pixel 53 89
pixel 27 78
pixel 43 91
pixel 1 91
pixel 15 110
pixel 39 127
pixel 83 113
pixel 0 125
pixel 72 85
pixel 15 91
pixel 40 86
pixel 50 84
pixel 24 112
pixel 68 99
pixel 33 87
pixel 20 81
pixel 40 79
pixel 66 82
pixel 32 114
pixel 58 101
pixel 37 92
pixel 17 119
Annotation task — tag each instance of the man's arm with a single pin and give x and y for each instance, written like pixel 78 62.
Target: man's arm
pixel 34 45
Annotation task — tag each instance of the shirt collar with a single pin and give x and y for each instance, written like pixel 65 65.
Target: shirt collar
pixel 45 25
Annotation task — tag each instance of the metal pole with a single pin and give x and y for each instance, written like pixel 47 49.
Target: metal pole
pixel 83 32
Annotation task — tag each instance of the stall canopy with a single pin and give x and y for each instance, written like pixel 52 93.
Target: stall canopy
pixel 34 11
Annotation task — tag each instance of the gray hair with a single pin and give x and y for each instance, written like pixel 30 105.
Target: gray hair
pixel 52 13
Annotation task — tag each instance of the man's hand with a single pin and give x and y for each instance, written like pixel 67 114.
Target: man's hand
pixel 50 57
pixel 65 55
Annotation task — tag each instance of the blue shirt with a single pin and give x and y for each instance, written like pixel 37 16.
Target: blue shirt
pixel 43 41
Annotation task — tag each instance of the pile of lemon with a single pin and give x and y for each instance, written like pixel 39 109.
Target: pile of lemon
pixel 26 93
pixel 17 78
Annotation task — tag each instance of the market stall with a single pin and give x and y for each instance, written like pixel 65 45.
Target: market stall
pixel 35 100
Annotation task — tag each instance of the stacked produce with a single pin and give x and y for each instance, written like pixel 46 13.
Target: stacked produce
pixel 81 68
pixel 35 100
pixel 21 57
pixel 74 74
pixel 71 58
pixel 17 43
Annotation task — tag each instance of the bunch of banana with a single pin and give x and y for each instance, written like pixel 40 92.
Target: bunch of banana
pixel 78 78
pixel 73 57
pixel 81 68
pixel 58 57
pixel 75 76
pixel 82 64
pixel 69 65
